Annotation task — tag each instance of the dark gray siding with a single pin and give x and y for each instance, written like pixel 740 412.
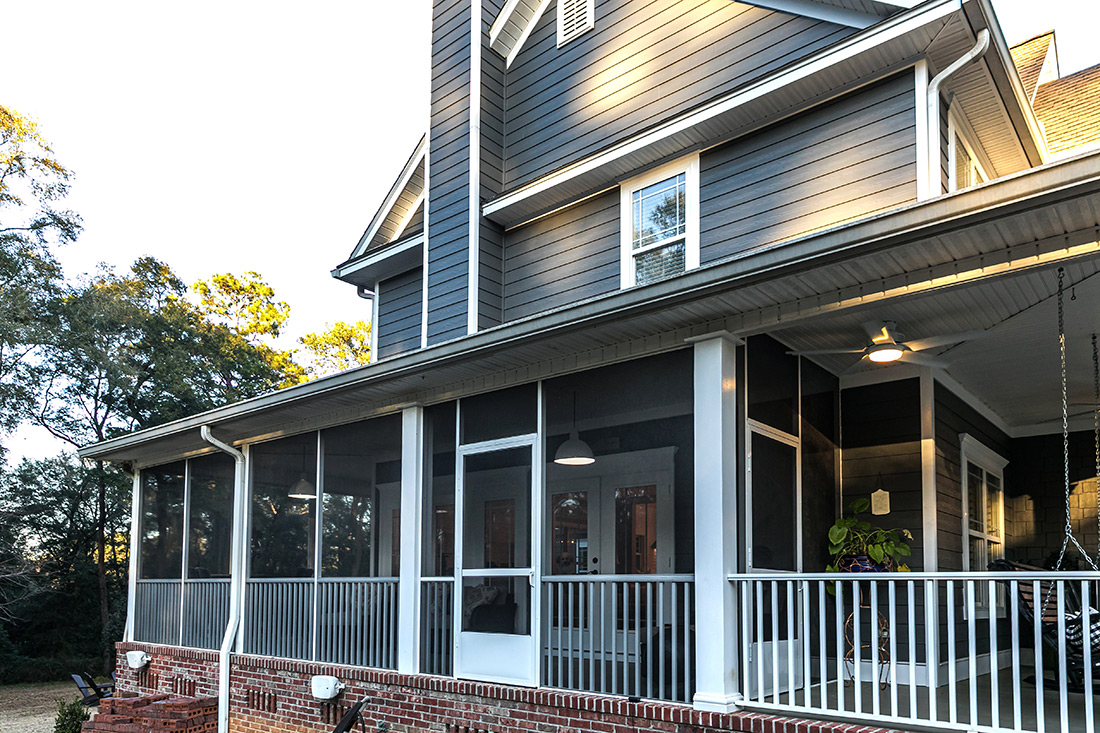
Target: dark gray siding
pixel 838 162
pixel 449 173
pixel 880 441
pixel 644 62
pixel 563 258
pixel 953 416
pixel 944 150
pixel 490 278
pixel 399 313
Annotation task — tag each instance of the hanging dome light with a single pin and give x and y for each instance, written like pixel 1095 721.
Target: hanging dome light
pixel 574 452
pixel 302 489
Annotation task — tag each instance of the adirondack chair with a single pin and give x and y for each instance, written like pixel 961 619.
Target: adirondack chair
pixel 106 689
pixel 88 688
pixel 1075 621
pixel 351 717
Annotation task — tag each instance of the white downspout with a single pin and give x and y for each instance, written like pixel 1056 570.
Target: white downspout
pixel 236 578
pixel 933 161
pixel 135 550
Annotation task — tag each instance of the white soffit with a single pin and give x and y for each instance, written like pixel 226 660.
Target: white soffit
pixel 854 13
pixel 514 24
pixel 399 205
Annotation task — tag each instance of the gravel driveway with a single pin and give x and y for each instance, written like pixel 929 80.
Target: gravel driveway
pixel 32 708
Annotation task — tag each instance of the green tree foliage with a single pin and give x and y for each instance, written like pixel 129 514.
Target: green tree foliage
pixel 32 185
pixel 344 346
pixel 246 305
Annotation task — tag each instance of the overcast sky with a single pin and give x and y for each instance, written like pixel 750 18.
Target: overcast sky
pixel 230 136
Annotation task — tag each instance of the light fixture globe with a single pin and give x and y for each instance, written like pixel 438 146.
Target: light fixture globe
pixel 574 452
pixel 885 353
pixel 303 489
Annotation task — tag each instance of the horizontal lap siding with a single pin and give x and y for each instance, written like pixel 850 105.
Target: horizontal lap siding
pixel 563 258
pixel 880 448
pixel 643 63
pixel 953 416
pixel 449 174
pixel 841 161
pixel 399 313
pixel 490 255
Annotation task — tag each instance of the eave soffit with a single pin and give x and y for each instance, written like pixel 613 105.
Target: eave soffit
pixel 399 207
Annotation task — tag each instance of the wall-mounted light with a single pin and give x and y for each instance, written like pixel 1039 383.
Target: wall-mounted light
pixel 137 659
pixel 325 687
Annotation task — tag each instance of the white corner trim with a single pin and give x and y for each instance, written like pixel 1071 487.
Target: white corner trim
pixel 924 184
pixel 474 195
pixel 424 260
pixel 975 451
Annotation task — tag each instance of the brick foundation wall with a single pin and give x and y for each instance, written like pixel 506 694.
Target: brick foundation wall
pixel 274 694
pixel 173 671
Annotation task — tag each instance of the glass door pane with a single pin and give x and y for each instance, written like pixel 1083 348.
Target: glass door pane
pixel 774 486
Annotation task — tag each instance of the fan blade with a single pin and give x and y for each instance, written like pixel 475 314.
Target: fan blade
pixel 860 363
pixel 922 360
pixel 945 340
pixel 878 332
pixel 814 352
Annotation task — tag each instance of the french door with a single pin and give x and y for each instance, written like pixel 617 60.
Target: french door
pixel 496 613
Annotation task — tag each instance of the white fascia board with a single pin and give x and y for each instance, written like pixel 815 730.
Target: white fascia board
pixel 513 25
pixel 379 258
pixel 888 29
pixel 391 198
pixel 819 11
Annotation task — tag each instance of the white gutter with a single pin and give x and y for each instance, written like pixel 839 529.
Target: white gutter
pixel 932 160
pixel 135 550
pixel 236 578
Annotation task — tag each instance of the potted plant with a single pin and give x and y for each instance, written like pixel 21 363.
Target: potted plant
pixel 857 547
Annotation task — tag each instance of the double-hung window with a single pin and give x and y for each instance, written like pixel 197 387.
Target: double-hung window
pixel 660 223
pixel 983 509
pixel 964 161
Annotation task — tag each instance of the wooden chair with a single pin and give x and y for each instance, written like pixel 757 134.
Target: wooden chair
pixel 88 688
pixel 1075 620
pixel 351 717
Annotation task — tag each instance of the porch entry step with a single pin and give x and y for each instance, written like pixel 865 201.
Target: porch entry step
pixel 154 713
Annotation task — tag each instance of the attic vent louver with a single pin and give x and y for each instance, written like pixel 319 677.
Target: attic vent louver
pixel 574 18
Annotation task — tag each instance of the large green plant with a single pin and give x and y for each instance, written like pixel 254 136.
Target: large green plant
pixel 853 537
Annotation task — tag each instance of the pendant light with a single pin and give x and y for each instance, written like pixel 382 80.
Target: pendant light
pixel 574 452
pixel 303 489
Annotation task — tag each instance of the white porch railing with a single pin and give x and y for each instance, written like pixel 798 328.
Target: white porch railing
pixel 961 651
pixel 437 625
pixel 620 634
pixel 341 620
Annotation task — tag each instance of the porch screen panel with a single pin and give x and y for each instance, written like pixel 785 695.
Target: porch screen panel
pixel 773 384
pixel 283 534
pixel 439 491
pixel 361 479
pixel 162 489
pixel 210 517
pixel 500 414
pixel 774 504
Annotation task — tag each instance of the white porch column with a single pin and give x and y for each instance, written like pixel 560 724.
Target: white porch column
pixel 716 523
pixel 135 551
pixel 408 587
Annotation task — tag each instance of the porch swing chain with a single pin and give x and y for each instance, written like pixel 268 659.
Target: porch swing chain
pixel 1065 438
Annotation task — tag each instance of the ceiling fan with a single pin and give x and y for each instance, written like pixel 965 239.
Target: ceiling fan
pixel 886 344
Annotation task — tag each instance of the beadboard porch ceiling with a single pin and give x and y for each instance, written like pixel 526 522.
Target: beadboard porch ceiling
pixel 1017 227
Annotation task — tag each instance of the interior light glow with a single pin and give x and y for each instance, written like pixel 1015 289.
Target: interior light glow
pixel 885 354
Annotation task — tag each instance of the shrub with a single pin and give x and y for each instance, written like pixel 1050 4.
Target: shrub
pixel 69 716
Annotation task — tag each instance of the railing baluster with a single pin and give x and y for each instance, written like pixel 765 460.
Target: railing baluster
pixel 675 641
pixel 994 691
pixel 952 654
pixel 638 640
pixel 892 600
pixel 1014 624
pixel 1063 699
pixel 1038 603
pixel 1086 641
pixel 911 592
pixel 774 586
pixel 972 648
pixel 839 624
pixel 822 645
pixel 791 610
pixel 649 634
pixel 807 643
pixel 759 643
pixel 745 587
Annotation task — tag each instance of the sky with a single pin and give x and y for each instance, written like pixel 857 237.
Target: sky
pixel 231 136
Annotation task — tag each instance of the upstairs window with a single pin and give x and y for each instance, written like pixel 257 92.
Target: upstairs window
pixel 660 223
pixel 575 17
pixel 964 168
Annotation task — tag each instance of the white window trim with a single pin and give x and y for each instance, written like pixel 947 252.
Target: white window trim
pixel 974 451
pixel 589 16
pixel 689 166
pixel 959 129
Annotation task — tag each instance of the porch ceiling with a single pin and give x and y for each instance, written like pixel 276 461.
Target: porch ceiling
pixel 990 234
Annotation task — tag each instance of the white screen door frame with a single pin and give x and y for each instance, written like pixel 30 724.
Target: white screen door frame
pixel 500 657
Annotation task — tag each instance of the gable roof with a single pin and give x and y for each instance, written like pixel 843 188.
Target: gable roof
pixel 1069 109
pixel 1031 56
pixel 402 205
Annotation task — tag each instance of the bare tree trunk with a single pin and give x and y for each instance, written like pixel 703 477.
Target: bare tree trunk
pixel 101 562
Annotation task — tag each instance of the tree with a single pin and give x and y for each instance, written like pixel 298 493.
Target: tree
pixel 246 305
pixel 342 347
pixel 32 183
pixel 132 352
